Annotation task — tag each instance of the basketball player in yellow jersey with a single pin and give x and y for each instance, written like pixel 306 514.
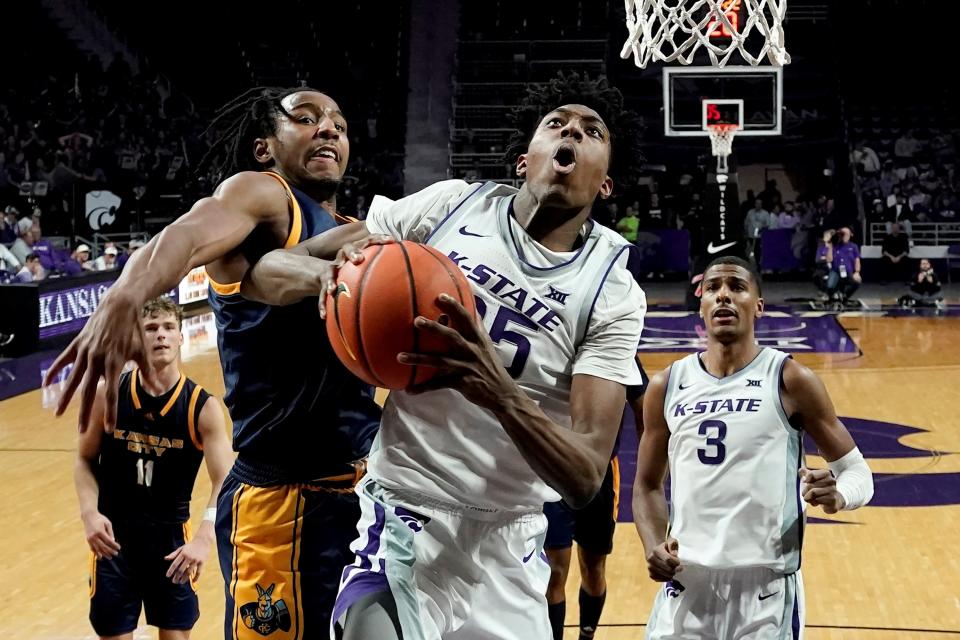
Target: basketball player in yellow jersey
pixel 135 486
pixel 287 512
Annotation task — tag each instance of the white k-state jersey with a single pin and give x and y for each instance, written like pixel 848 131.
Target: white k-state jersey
pixel 734 461
pixel 550 315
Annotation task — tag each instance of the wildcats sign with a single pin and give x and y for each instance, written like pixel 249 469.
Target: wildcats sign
pixel 780 329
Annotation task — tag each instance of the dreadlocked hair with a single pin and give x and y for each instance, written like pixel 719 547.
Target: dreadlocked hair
pixel 625 127
pixel 251 115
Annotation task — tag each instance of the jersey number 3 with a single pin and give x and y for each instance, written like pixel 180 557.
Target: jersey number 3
pixel 716 431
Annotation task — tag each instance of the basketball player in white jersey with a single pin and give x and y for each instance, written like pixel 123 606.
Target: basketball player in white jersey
pixel 729 424
pixel 527 410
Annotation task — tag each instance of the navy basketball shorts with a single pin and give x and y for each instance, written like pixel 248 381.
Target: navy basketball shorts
pixel 282 549
pixel 137 577
pixel 591 527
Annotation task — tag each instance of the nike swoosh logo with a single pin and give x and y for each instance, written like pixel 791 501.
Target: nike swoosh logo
pixel 685 387
pixel 769 595
pixel 526 558
pixel 713 249
pixel 463 231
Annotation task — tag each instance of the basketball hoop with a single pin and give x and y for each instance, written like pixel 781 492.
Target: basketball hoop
pixel 721 142
pixel 674 30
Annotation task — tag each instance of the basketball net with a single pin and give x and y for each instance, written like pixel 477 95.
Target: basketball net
pixel 721 143
pixel 674 30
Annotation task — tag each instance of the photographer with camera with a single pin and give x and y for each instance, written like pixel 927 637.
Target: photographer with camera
pixel 925 288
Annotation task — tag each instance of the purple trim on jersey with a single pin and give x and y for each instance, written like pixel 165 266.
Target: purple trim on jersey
pixel 453 211
pixel 795 626
pixel 783 364
pixel 362 584
pixel 746 367
pixel 374 532
pixel 596 296
pixel 800 515
pixel 519 249
pixel 666 394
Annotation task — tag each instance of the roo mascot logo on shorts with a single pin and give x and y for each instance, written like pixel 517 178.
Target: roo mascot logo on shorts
pixel 266 616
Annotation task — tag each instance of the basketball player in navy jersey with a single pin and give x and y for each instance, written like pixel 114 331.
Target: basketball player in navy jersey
pixel 728 423
pixel 592 528
pixel 287 512
pixel 135 484
pixel 450 541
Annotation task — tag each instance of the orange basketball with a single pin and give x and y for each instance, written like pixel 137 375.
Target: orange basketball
pixel 370 317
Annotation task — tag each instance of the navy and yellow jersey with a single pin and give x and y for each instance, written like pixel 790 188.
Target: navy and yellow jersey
pixel 148 465
pixel 298 414
pixel 634 393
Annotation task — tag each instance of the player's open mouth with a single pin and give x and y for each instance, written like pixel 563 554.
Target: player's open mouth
pixel 724 314
pixel 325 153
pixel 565 159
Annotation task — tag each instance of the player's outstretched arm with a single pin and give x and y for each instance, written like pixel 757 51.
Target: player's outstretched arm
pixel 213 227
pixel 97 528
pixel 847 483
pixel 285 276
pixel 187 562
pixel 649 501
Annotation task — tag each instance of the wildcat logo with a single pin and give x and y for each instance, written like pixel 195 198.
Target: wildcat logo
pixel 266 616
pixel 674 589
pixel 413 520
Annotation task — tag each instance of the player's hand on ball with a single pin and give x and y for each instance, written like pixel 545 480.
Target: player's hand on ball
pixel 469 363
pixel 819 487
pixel 663 563
pixel 99 532
pixel 112 336
pixel 187 561
pixel 350 252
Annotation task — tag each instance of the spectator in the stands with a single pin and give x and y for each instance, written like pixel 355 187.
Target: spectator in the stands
pixel 895 193
pixel 21 246
pixel 130 250
pixel 32 271
pixel 108 260
pixel 888 179
pixel 919 200
pixel 900 213
pixel 925 288
pixel 78 262
pixel 788 218
pixel 945 207
pixel 823 263
pixel 49 257
pixel 896 265
pixel 905 147
pixel 629 224
pixel 757 221
pixel 866 160
pixel 770 195
pixel 8 225
pixel 845 275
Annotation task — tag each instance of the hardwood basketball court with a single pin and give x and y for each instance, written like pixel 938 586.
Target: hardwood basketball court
pixel 891 571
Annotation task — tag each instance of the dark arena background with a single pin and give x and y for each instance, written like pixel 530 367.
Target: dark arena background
pixel 105 114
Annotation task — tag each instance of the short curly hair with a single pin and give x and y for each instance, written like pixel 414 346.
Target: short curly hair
pixel 625 126
pixel 163 304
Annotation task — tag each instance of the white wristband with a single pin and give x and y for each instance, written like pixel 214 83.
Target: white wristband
pixel 854 479
pixel 210 515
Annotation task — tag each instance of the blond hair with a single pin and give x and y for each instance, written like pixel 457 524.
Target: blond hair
pixel 160 305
